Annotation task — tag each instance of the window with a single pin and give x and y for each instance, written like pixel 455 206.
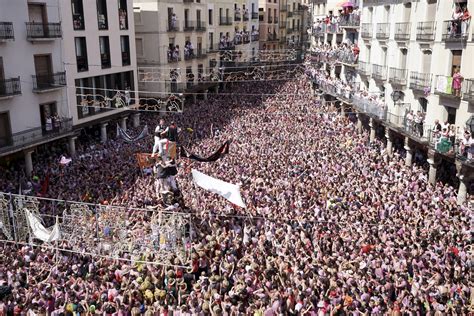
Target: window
pixel 123 15
pixel 211 40
pixel 139 46
pixel 104 51
pixel 125 47
pixel 210 17
pixel 81 54
pixel 102 19
pixel 77 14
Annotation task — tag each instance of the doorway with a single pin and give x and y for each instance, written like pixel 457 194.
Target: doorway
pixel 5 130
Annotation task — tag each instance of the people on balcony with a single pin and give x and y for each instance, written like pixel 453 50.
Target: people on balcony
pixel 173 52
pixel 465 20
pixel 457 82
pixel 225 42
pixel 344 52
pixel 189 49
pixel 467 145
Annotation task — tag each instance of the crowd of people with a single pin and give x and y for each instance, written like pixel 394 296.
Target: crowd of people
pixel 333 225
pixel 345 53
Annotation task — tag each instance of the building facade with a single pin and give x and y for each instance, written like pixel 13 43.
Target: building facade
pixel 32 76
pixel 411 55
pixel 54 55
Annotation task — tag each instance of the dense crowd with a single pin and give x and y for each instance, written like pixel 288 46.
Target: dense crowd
pixel 333 225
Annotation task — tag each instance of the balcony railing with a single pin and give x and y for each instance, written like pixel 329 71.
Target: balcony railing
pixel 270 20
pixel 246 39
pixel 254 15
pixel 363 68
pixel 6 31
pixel 383 31
pixel 245 16
pixel 455 30
pixel 444 86
pixel 425 31
pixel 379 72
pixel 10 87
pixel 201 53
pixel 173 59
pixel 272 37
pixel 402 31
pixel 189 55
pixel 255 37
pixel 350 20
pixel 371 107
pixel 420 81
pixel 331 28
pixel 189 25
pixel 49 81
pixel 237 16
pixel 200 26
pixel 468 90
pixel 225 21
pixel 366 30
pixel 238 41
pixel 36 30
pixel 173 26
pixel 188 1
pixel 36 135
pixel 284 7
pixel 275 20
pixel 289 14
pixel 398 76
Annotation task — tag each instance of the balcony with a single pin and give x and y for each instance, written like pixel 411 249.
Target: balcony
pixel 284 7
pixel 225 21
pixel 189 55
pixel 246 16
pixel 200 26
pixel 43 31
pixel 255 37
pixel 246 39
pixel 254 15
pixel 188 1
pixel 289 14
pixel 444 87
pixel 238 40
pixel 189 26
pixel 455 30
pixel 366 30
pixel 272 37
pixel 331 28
pixel 402 31
pixel 47 82
pixel 468 90
pixel 270 20
pixel 275 20
pixel 363 68
pixel 6 31
pixel 37 135
pixel 173 59
pixel 379 72
pixel 10 87
pixel 237 17
pixel 173 26
pixel 420 81
pixel 425 31
pixel 350 21
pixel 201 53
pixel 383 31
pixel 398 76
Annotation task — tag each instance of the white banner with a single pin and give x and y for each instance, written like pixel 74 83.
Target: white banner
pixel 39 231
pixel 227 190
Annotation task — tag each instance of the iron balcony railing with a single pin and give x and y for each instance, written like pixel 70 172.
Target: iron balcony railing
pixel 289 13
pixel 350 20
pixel 237 16
pixel 38 134
pixel 371 107
pixel 238 41
pixel 188 1
pixel 225 20
pixel 270 20
pixel 245 16
pixel 255 37
pixel 455 30
pixel 246 39
pixel 468 90
pixel 420 81
pixel 6 31
pixel 254 15
pixel 172 59
pixel 398 76
pixel 363 68
pixel 383 31
pixel 275 20
pixel 444 86
pixel 402 31
pixel 36 30
pixel 49 81
pixel 200 26
pixel 331 28
pixel 366 30
pixel 284 7
pixel 379 72
pixel 189 25
pixel 10 87
pixel 189 56
pixel 425 31
pixel 347 57
pixel 173 26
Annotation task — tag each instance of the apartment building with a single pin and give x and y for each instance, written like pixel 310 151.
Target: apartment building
pixel 99 57
pixel 33 99
pixel 283 24
pixel 409 53
pixel 246 28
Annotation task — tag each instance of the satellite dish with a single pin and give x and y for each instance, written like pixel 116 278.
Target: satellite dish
pixel 396 95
